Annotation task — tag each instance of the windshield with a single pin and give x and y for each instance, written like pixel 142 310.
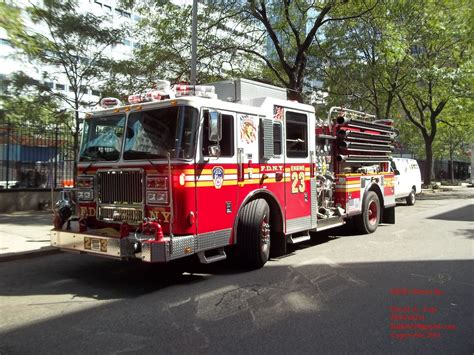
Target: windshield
pixel 152 134
pixel 102 138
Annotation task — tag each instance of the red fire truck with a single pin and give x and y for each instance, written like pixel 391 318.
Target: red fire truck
pixel 229 166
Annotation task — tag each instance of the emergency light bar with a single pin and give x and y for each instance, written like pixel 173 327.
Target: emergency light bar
pixel 152 95
pixel 163 91
pixel 108 102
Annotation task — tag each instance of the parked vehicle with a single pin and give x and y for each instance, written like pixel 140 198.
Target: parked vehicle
pixel 407 179
pixel 183 171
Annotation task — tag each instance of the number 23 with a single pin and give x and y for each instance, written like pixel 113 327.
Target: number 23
pixel 297 182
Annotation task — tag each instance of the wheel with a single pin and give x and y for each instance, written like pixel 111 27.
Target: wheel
pixel 368 221
pixel 253 234
pixel 411 198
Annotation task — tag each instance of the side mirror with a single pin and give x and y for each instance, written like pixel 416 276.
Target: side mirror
pixel 396 172
pixel 214 151
pixel 215 126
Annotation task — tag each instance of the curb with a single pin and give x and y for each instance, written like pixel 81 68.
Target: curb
pixel 29 254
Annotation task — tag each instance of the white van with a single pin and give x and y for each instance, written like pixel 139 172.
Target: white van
pixel 407 179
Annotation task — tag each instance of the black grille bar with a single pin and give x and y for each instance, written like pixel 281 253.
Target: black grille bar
pixel 120 187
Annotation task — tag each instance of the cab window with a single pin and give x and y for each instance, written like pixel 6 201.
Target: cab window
pixel 296 135
pixel 227 142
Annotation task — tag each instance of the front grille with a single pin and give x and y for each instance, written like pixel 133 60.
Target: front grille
pixel 120 214
pixel 120 187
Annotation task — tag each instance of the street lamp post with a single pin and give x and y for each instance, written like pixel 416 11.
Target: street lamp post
pixel 194 43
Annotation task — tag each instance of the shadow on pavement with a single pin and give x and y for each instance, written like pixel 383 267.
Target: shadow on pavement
pixel 468 233
pixel 465 214
pixel 311 308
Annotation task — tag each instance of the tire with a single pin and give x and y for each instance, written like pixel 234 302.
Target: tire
pixel 253 235
pixel 411 198
pixel 368 221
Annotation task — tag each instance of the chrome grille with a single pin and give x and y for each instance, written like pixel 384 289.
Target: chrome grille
pixel 120 214
pixel 120 187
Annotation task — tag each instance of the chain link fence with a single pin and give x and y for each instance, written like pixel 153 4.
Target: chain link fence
pixel 35 157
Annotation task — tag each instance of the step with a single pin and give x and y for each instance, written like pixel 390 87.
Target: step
pixel 203 259
pixel 299 239
pixel 328 223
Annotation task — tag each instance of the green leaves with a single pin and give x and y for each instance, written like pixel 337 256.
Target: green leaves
pixel 70 47
pixel 25 100
pixel 73 44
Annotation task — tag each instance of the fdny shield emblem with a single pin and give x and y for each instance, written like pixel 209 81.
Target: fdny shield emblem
pixel 218 176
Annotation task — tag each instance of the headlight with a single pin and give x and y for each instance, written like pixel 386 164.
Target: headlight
pixel 85 195
pixel 157 182
pixel 157 197
pixel 85 182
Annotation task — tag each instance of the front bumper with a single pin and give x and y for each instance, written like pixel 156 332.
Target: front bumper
pixel 150 251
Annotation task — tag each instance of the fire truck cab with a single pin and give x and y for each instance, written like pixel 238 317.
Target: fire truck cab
pixel 199 170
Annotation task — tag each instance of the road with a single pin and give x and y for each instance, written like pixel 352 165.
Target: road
pixel 336 294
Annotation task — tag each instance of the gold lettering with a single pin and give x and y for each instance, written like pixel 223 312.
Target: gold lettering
pixel 297 168
pixel 160 214
pixel 166 216
pixel 87 211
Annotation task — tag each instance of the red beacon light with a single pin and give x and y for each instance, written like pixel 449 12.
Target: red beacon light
pixel 161 91
pixel 154 95
pixel 135 99
pixel 109 102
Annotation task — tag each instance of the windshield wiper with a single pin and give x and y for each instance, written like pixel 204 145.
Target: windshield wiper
pixel 148 157
pixel 88 166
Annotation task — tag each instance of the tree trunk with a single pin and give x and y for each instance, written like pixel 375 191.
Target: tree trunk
pixel 451 159
pixel 428 162
pixel 295 95
pixel 295 90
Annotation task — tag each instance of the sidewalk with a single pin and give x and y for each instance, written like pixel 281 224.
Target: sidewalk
pixel 446 188
pixel 25 234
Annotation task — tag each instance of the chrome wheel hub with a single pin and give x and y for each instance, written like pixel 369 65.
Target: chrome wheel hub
pixel 265 235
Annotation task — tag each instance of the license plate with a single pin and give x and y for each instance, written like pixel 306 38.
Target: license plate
pixel 95 244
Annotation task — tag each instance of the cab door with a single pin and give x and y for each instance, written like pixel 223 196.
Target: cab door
pixel 297 150
pixel 216 181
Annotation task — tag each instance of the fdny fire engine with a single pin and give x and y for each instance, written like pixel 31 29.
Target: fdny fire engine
pixel 231 166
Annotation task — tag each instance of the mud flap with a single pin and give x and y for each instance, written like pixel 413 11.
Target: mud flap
pixel 388 215
pixel 278 245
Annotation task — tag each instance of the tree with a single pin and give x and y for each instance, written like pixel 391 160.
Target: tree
pixel 405 58
pixel 456 130
pixel 269 41
pixel 164 34
pixel 368 58
pixel 293 28
pixel 410 141
pixel 73 46
pixel 440 51
pixel 27 101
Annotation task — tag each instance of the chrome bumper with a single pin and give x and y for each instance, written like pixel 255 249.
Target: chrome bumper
pixel 125 248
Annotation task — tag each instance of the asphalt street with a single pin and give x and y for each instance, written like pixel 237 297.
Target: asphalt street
pixel 407 288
